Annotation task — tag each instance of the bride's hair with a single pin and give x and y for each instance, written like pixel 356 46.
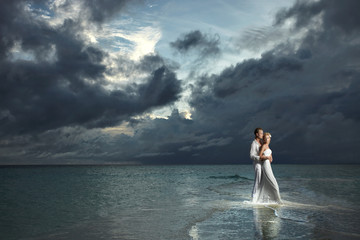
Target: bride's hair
pixel 267 134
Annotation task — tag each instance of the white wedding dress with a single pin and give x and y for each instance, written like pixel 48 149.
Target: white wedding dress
pixel 269 190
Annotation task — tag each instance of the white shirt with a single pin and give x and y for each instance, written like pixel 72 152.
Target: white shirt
pixel 254 151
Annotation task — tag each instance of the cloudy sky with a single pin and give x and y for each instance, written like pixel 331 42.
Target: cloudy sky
pixel 178 82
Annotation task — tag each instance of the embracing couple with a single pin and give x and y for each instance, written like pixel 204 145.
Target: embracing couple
pixel 266 189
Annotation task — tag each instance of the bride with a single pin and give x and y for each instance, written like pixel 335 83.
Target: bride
pixel 269 189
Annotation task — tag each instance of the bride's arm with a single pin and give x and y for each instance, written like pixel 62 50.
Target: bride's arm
pixel 261 153
pixel 262 156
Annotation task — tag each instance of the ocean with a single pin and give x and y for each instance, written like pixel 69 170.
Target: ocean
pixel 193 202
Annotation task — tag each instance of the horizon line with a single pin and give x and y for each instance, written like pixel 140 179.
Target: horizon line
pixel 152 164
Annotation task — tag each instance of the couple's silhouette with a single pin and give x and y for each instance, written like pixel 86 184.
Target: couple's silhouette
pixel 266 189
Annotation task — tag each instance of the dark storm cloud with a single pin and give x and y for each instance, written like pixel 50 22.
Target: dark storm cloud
pixel 103 10
pixel 177 140
pixel 238 78
pixel 62 84
pixel 342 15
pixel 302 91
pixel 207 45
pixel 153 61
pixel 174 140
pixel 303 95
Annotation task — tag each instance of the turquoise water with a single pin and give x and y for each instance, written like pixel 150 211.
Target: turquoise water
pixel 177 202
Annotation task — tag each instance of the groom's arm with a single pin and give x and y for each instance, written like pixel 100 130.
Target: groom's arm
pixel 253 153
pixel 263 157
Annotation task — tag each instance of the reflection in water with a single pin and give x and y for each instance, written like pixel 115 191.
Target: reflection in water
pixel 194 233
pixel 266 222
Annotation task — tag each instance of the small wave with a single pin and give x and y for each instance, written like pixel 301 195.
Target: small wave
pixel 230 177
pixel 262 204
pixel 287 204
pixel 285 218
pixel 275 207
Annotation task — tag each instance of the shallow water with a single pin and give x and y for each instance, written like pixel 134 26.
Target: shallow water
pixel 177 202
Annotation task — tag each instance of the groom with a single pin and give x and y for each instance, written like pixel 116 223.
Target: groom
pixel 257 160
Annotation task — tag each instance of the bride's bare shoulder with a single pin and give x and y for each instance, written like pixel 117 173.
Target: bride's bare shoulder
pixel 264 147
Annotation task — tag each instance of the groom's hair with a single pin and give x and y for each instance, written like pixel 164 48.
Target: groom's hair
pixel 257 130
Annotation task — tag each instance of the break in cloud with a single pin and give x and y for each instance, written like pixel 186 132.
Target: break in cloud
pixel 62 82
pixel 303 89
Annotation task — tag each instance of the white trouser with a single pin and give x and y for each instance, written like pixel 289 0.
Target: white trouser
pixel 257 169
